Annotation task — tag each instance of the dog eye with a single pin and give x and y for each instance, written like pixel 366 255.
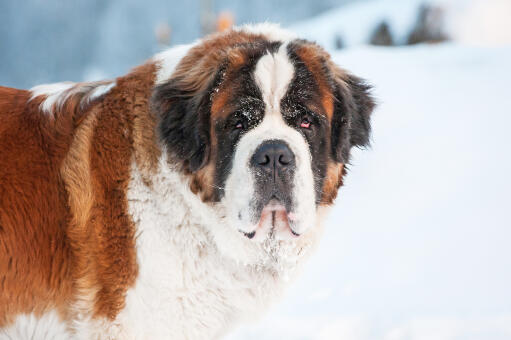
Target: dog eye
pixel 305 123
pixel 239 125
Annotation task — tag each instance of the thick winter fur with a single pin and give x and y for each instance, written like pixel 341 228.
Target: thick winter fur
pixel 137 208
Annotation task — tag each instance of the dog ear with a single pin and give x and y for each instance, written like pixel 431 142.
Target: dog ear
pixel 353 106
pixel 183 122
pixel 183 106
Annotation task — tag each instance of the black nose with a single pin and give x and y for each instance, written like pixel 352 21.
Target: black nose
pixel 273 156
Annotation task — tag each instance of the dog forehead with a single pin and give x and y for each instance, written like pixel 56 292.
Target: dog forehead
pixel 273 74
pixel 274 78
pixel 295 75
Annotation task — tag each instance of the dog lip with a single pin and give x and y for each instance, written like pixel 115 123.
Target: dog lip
pixel 294 232
pixel 272 210
pixel 274 205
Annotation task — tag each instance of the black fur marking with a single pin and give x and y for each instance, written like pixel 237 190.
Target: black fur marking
pixel 351 121
pixel 184 120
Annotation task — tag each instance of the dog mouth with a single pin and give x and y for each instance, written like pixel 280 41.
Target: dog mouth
pixel 274 220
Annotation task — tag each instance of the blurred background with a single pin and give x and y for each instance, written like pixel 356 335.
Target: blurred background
pixel 418 246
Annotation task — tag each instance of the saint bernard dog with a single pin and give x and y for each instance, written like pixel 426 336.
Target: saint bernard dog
pixel 178 200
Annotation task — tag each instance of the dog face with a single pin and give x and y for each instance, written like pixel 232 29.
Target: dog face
pixel 262 128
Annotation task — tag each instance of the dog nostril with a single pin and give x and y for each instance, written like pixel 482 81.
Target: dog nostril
pixel 265 160
pixel 284 160
pixel 250 235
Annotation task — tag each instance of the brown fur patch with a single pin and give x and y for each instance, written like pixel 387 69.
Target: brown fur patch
pixel 219 103
pixel 76 174
pixel 34 248
pixel 199 66
pixel 202 182
pixel 145 144
pixel 117 130
pixel 66 238
pixel 117 139
pixel 333 181
pixel 315 57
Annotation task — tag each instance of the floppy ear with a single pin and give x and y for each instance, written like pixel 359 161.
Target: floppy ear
pixel 183 122
pixel 352 112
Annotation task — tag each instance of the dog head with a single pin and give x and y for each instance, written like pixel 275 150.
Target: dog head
pixel 262 125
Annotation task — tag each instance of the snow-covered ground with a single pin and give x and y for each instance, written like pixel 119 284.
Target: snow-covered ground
pixel 418 246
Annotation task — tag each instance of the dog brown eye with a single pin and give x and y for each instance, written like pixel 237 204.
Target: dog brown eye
pixel 306 123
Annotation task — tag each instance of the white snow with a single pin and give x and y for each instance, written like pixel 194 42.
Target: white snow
pixel 418 244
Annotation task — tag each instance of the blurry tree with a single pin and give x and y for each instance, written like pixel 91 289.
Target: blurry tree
pixel 339 42
pixel 163 34
pixel 382 35
pixel 207 16
pixel 429 26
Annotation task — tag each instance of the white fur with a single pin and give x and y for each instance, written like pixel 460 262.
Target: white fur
pixel 53 92
pixel 187 288
pixel 57 93
pixel 30 327
pixel 101 90
pixel 273 74
pixel 168 60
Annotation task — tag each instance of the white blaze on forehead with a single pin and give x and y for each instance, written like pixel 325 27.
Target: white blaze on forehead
pixel 273 74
